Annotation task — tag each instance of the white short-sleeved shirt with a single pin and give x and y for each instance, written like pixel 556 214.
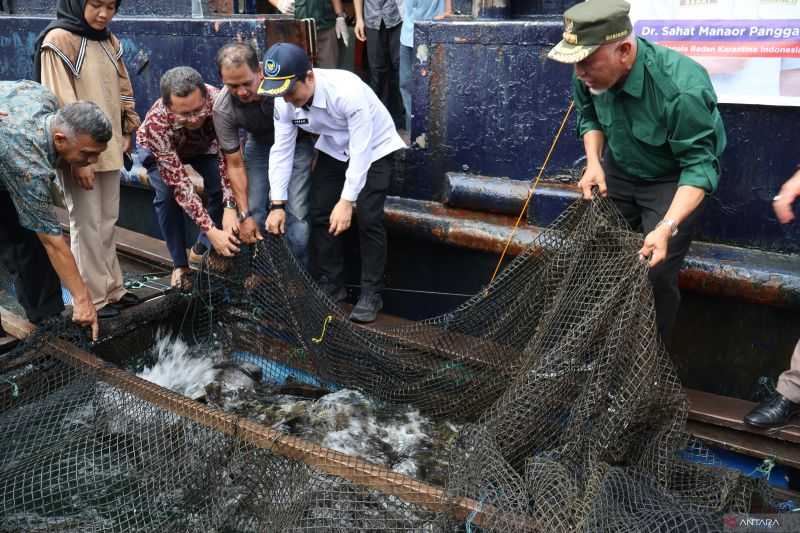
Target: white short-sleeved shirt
pixel 352 123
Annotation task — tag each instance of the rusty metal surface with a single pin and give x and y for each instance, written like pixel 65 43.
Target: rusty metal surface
pixel 750 275
pixel 711 269
pixel 456 227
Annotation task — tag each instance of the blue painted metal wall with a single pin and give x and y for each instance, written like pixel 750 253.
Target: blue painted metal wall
pixel 528 8
pixel 151 47
pixel 521 8
pixel 140 8
pixel 486 100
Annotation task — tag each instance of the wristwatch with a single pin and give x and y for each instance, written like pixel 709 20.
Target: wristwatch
pixel 671 224
pixel 241 215
pixel 230 204
pixel 273 207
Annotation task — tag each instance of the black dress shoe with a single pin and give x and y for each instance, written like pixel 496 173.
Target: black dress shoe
pixel 772 413
pixel 366 310
pixel 128 300
pixel 108 311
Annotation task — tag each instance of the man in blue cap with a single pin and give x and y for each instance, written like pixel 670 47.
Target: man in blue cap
pixel 357 140
pixel 652 133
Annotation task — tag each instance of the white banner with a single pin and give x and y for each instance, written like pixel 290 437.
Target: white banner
pixel 751 48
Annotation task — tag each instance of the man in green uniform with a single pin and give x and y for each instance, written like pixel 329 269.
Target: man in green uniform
pixel 330 19
pixel 652 133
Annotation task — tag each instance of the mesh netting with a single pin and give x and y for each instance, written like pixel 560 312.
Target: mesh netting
pixel 570 416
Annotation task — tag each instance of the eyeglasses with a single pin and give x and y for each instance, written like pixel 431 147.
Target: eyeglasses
pixel 190 114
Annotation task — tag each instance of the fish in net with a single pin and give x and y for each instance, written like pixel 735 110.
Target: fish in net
pixel 570 415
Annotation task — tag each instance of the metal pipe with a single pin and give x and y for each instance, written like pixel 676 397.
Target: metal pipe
pixel 711 269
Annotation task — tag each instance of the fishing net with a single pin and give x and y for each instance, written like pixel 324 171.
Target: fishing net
pixel 566 413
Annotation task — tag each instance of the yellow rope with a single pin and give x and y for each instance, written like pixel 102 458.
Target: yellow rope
pixel 317 340
pixel 532 190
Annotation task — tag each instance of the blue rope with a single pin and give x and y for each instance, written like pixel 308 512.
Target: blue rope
pixel 765 469
pixel 473 514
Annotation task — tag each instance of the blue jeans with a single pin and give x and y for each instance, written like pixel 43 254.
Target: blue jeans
pixel 298 227
pixel 256 162
pixel 406 84
pixel 170 216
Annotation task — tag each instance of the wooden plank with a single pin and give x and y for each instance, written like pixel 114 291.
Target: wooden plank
pixel 726 412
pixel 353 469
pixel 143 247
pixel 758 446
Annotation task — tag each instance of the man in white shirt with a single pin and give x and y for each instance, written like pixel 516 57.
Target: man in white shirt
pixel 357 140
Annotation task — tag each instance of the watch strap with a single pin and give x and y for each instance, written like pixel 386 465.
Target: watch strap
pixel 671 224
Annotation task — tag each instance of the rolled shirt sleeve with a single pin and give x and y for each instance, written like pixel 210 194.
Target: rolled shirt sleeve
pixel 359 124
pixel 584 107
pixel 34 204
pixel 696 138
pixel 227 190
pixel 225 124
pixel 281 155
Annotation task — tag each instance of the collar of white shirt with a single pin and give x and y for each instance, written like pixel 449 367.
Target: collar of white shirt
pixel 320 99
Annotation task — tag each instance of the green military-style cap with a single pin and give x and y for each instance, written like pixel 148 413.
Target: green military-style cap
pixel 590 24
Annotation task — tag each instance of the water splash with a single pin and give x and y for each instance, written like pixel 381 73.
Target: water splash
pixel 180 368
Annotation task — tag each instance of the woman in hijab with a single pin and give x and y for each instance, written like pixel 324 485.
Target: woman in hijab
pixel 78 58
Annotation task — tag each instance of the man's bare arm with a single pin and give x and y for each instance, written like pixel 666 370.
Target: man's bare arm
pixel 64 264
pixel 237 174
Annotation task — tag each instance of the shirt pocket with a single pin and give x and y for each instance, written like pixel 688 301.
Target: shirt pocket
pixel 649 131
pixel 605 115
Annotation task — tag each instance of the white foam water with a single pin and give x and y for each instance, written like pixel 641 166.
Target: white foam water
pixel 364 435
pixel 351 423
pixel 178 369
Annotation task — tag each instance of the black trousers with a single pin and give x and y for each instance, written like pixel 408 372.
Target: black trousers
pixel 327 180
pixel 644 203
pixel 383 54
pixel 23 256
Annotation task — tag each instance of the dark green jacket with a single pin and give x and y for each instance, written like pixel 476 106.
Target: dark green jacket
pixel 662 120
pixel 319 10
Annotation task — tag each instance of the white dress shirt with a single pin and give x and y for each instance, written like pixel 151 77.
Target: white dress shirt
pixel 351 122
